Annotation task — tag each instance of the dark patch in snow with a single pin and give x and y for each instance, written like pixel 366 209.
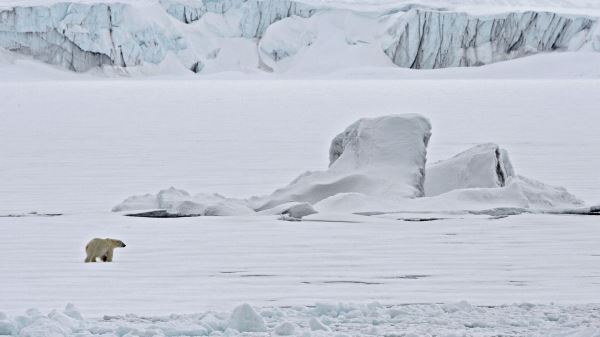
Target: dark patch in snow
pixel 351 282
pixel 370 213
pixel 232 271
pixel 498 217
pixel 500 211
pixel 452 234
pixel 257 275
pixel 422 219
pixel 517 283
pixel 197 67
pixel 408 276
pixel 342 221
pixel 159 214
pixel 20 215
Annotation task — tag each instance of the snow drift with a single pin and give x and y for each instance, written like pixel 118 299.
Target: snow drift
pixel 379 165
pixel 281 35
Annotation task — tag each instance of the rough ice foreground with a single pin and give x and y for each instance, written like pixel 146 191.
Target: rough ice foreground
pixel 285 35
pixel 379 164
pixel 340 320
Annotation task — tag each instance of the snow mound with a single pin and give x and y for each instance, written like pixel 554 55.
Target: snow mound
pixel 245 319
pixel 181 203
pixel 485 165
pixel 380 157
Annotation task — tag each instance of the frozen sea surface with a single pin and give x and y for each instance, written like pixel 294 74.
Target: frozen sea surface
pixel 190 265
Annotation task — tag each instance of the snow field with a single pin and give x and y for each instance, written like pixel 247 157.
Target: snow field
pixel 190 265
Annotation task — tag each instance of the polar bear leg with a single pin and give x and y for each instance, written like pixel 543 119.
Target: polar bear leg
pixel 109 255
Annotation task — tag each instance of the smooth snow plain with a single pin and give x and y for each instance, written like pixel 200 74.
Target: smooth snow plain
pixel 80 147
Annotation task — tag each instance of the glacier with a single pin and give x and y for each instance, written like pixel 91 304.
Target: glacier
pixel 429 40
pixel 207 36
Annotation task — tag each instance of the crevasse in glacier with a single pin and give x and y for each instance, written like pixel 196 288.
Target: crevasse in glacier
pixel 431 39
pixel 81 36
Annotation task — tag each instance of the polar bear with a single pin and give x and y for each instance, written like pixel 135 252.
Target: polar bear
pixel 102 248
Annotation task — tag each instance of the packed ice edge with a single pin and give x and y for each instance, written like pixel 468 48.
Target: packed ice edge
pixel 276 35
pixel 378 166
pixel 371 319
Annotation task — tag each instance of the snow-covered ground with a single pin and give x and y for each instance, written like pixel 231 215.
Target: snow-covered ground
pixel 80 147
pixel 188 265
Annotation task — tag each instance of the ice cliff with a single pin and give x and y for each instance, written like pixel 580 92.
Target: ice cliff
pixel 279 35
pixel 428 39
pixel 81 36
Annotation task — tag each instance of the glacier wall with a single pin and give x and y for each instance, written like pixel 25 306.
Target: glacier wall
pixel 255 16
pixel 81 36
pixel 432 39
pixel 280 35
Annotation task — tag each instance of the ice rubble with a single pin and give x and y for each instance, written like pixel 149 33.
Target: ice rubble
pixel 343 320
pixel 245 319
pixel 379 164
pixel 278 35
pixel 181 203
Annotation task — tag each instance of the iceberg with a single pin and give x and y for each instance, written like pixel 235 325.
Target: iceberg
pixel 379 165
pixel 375 157
pixel 484 166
